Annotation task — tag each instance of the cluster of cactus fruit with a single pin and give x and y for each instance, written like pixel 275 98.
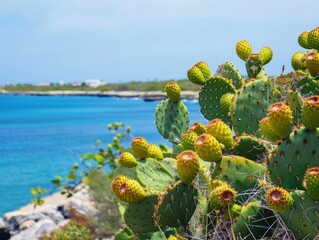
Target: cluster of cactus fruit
pixel 251 172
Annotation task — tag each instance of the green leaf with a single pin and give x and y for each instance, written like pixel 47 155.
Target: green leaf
pixel 33 191
pixel 87 156
pixel 98 158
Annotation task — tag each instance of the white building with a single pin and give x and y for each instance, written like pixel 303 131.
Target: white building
pixel 94 82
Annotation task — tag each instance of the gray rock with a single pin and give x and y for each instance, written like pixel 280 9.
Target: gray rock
pixel 54 214
pixel 81 203
pixel 2 224
pixel 26 224
pixel 42 228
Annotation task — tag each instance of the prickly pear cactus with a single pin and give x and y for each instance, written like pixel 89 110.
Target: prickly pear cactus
pixel 260 184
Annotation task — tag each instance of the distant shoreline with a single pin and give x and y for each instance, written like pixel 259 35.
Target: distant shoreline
pixel 146 96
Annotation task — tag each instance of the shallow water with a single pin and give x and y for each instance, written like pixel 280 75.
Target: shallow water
pixel 41 137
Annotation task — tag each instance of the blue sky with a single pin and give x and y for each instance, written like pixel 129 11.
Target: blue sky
pixel 124 40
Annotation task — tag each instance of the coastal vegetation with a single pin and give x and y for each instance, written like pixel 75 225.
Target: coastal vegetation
pixel 252 172
pixel 128 86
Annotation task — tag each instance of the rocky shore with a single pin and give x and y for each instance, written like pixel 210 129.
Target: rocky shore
pixel 29 223
pixel 147 96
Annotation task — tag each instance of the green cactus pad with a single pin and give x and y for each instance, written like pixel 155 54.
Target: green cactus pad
pixel 253 65
pixel 295 102
pixel 227 70
pixel 153 174
pixel 250 106
pixel 176 206
pixel 172 120
pixel 210 95
pixel 303 217
pixel 249 147
pixel 306 84
pixel 288 162
pixel 254 222
pixel 241 173
pixel 139 216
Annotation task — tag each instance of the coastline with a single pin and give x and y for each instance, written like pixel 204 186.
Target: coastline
pixel 146 96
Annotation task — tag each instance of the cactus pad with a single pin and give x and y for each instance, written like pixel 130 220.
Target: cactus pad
pixel 153 174
pixel 288 162
pixel 176 206
pixel 302 219
pixel 250 105
pixel 227 70
pixel 249 147
pixel 209 98
pixel 139 216
pixel 254 222
pixel 253 65
pixel 172 119
pixel 241 173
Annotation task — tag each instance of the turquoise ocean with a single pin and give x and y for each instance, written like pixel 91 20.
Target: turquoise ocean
pixel 43 136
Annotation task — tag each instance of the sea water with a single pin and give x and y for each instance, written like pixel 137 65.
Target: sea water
pixel 43 136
